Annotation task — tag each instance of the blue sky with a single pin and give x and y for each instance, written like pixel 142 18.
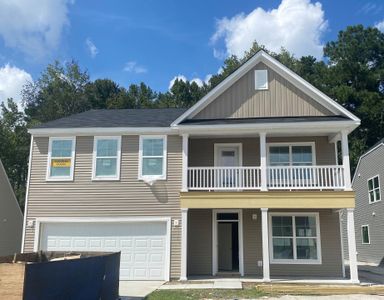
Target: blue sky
pixel 153 41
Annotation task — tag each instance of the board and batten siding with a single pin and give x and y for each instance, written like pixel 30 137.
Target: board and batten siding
pixel 201 150
pixel 368 214
pixel 127 197
pixel 200 252
pixel 281 99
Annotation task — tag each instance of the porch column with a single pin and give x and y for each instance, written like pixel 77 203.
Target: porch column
pixel 352 245
pixel 184 234
pixel 264 234
pixel 263 161
pixel 184 178
pixel 345 152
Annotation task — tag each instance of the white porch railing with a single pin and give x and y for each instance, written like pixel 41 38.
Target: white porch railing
pixel 306 177
pixel 224 178
pixel 278 178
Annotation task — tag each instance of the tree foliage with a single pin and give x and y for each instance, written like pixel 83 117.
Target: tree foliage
pixel 352 73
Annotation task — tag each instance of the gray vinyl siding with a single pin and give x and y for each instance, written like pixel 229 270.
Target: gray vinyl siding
pixel 86 198
pixel 201 151
pixel 369 214
pixel 200 254
pixel 281 99
pixel 11 218
pixel 199 261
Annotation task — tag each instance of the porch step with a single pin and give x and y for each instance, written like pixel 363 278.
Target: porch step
pixel 228 274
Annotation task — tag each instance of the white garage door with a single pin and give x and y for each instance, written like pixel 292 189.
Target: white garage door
pixel 143 246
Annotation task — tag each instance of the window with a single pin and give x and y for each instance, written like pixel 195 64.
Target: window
pixel 106 158
pixel 291 155
pixel 61 158
pixel 365 234
pixel 295 238
pixel 153 157
pixel 261 79
pixel 374 189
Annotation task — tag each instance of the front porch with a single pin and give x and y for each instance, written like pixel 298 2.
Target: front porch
pixel 264 244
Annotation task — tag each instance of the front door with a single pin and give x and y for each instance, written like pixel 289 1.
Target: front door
pixel 228 157
pixel 225 246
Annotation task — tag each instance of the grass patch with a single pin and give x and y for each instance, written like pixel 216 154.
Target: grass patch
pixel 252 291
pixel 197 294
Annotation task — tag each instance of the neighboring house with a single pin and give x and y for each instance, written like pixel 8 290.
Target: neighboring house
pixel 244 182
pixel 368 183
pixel 11 217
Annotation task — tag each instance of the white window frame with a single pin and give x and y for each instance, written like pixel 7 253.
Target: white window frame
pixel 362 235
pixel 374 194
pixel 296 261
pixel 49 159
pixel 163 176
pixel 94 160
pixel 290 145
pixel 263 72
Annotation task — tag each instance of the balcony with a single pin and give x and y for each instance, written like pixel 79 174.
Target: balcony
pixel 277 178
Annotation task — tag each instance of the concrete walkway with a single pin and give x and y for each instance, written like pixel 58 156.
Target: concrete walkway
pixel 232 285
pixel 135 290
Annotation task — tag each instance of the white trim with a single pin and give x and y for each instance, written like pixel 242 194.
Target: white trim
pixel 184 178
pixel 265 244
pixel 296 261
pixel 80 131
pixel 217 147
pixel 341 242
pixel 346 162
pixel 352 246
pixel 61 178
pixel 118 158
pixel 40 221
pixel 163 176
pixel 290 145
pixel 263 161
pixel 362 156
pixel 215 241
pixel 184 244
pixel 27 195
pixel 278 67
pixel 379 188
pixel 264 72
pixel 362 235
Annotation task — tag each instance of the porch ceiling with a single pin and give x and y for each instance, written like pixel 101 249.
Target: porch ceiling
pixel 270 199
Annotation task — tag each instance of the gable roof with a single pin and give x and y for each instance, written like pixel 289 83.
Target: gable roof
pixel 153 117
pixel 296 80
pixel 370 150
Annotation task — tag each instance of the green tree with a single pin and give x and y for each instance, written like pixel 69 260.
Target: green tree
pixel 14 147
pixel 356 81
pixel 59 92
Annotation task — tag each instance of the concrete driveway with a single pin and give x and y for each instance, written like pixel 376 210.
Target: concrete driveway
pixel 134 290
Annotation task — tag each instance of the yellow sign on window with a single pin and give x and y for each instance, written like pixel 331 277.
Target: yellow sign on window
pixel 61 163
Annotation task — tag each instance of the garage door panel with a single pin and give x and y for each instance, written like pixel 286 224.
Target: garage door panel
pixel 142 245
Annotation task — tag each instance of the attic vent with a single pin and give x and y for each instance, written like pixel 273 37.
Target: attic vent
pixel 261 79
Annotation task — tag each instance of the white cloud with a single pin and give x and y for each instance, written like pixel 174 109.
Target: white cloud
pixel 296 25
pixel 179 77
pixel 12 80
pixel 132 66
pixel 33 27
pixel 93 51
pixel 380 26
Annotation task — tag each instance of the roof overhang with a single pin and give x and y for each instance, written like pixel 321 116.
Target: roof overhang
pixel 278 67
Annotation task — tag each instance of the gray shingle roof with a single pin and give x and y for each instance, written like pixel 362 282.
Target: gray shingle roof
pixel 156 117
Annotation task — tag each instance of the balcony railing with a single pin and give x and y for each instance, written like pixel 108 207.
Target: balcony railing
pixel 224 178
pixel 306 177
pixel 278 178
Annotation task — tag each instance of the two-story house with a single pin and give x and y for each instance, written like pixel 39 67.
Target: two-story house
pixel 368 183
pixel 244 182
